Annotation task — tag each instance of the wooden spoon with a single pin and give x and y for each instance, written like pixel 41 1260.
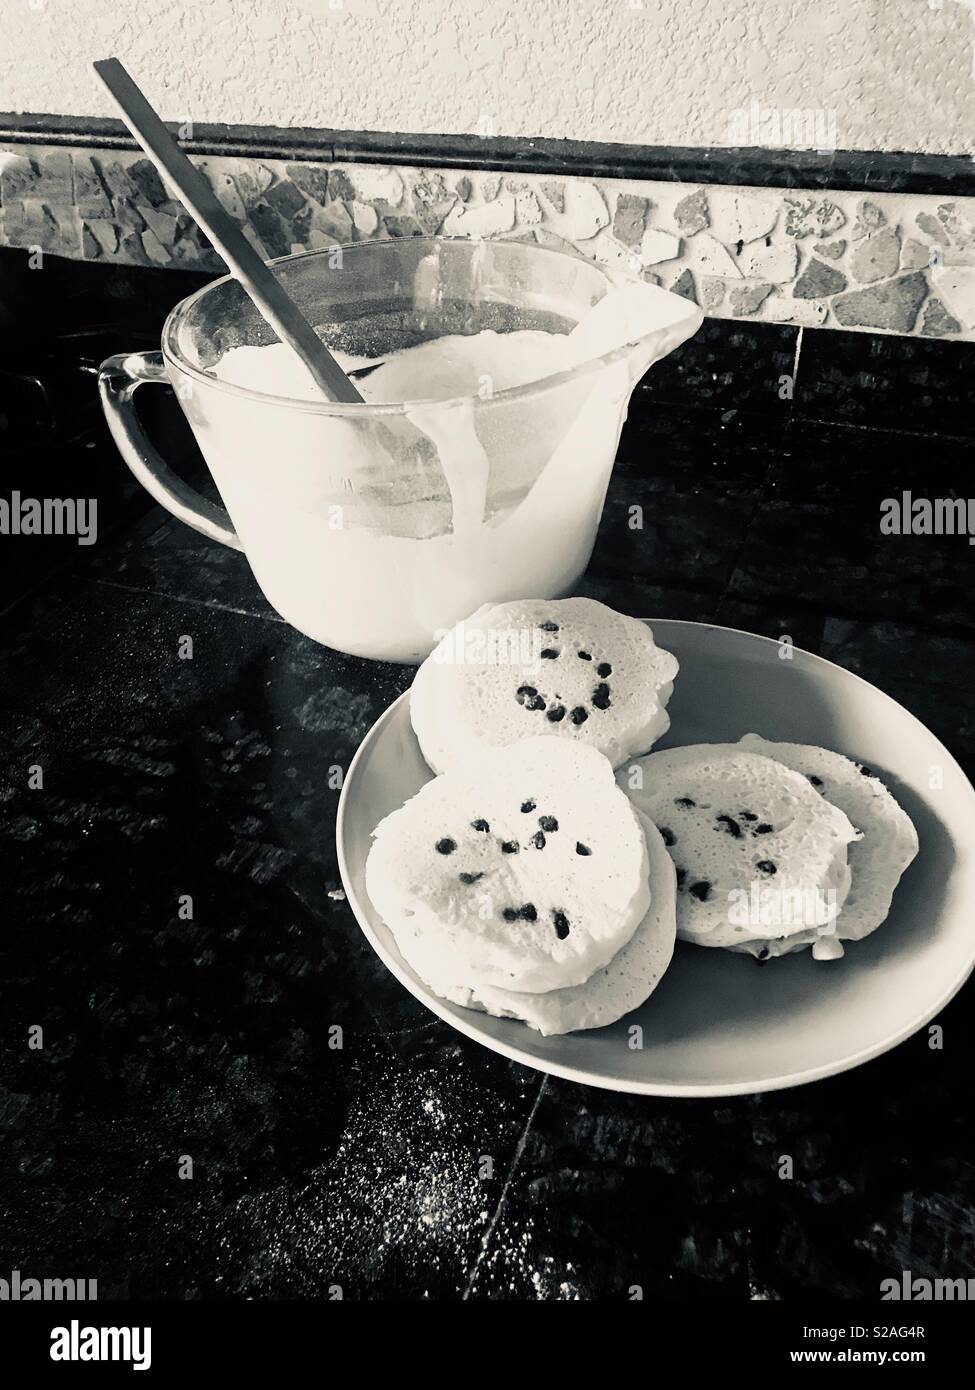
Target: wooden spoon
pixel 263 286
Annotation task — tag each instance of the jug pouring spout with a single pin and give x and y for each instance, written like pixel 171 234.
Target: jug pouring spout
pixel 634 322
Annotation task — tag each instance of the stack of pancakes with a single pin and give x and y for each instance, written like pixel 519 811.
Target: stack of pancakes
pixel 529 881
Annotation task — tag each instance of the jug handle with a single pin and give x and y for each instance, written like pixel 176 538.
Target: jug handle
pixel 119 378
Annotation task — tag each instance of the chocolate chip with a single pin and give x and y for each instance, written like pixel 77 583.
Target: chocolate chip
pixel 700 890
pixel 684 801
pixel 548 823
pixel 586 656
pixel 766 866
pixel 538 840
pixel 579 715
pixel 668 836
pixel 470 878
pixel 527 913
pixel 866 771
pixel 527 806
pixel 816 781
pixel 604 669
pixel 561 925
pixel 549 626
pixel 681 875
pixel 524 693
pixel 446 846
pixel 480 824
pixel 600 697
pixel 550 653
pixel 581 848
pixel 535 703
pixel 764 828
pixel 510 847
pixel 763 956
pixel 556 713
pixel 748 815
pixel 731 826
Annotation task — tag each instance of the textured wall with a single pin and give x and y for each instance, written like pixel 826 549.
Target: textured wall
pixel 897 74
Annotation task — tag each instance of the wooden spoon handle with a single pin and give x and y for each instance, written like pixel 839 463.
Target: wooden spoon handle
pixel 258 280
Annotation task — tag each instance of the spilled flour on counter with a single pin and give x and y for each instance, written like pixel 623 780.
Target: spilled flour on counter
pixel 400 1207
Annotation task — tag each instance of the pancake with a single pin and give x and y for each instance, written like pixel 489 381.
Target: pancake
pixel 888 842
pixel 611 992
pixel 758 852
pixel 570 668
pixel 524 868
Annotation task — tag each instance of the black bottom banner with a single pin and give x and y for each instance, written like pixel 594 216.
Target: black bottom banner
pixel 171 1340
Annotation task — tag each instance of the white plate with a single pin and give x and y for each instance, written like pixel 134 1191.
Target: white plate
pixel 719 1023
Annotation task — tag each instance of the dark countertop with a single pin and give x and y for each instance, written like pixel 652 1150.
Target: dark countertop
pixel 412 1162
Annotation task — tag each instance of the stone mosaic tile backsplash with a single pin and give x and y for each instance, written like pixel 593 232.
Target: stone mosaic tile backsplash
pixel 896 262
